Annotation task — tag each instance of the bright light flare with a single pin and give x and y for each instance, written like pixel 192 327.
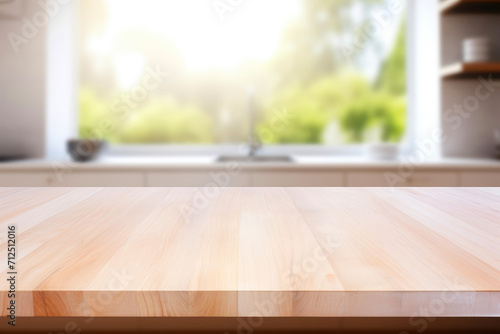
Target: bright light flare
pixel 251 31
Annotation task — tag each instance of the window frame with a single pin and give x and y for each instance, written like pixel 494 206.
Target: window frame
pixel 407 145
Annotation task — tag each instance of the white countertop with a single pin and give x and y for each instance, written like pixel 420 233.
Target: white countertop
pixel 210 163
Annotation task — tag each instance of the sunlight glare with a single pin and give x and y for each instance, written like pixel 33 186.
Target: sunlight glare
pixel 129 69
pixel 250 32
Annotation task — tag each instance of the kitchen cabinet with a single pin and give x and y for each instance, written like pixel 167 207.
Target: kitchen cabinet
pixel 278 178
pixel 249 176
pixel 480 179
pixel 26 179
pixel 208 178
pixel 395 179
pixel 309 178
pixel 69 179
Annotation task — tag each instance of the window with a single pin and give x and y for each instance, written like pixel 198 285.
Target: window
pixel 308 72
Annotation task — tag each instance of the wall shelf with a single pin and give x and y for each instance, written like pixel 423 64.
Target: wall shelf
pixel 470 6
pixel 470 70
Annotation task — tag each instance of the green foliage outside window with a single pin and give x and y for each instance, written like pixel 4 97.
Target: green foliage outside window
pixel 314 87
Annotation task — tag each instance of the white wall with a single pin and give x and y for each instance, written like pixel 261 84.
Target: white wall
pixel 424 67
pixel 62 81
pixel 38 85
pixel 22 88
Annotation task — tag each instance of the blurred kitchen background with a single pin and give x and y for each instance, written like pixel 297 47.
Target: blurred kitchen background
pixel 250 93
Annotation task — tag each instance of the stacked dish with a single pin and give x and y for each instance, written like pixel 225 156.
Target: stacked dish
pixel 477 50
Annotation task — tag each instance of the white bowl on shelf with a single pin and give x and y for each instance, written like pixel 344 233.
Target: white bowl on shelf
pixel 382 151
pixel 476 50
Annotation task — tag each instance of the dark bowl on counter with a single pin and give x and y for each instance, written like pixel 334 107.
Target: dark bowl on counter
pixel 84 150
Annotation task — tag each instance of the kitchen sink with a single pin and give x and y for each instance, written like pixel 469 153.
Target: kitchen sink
pixel 256 159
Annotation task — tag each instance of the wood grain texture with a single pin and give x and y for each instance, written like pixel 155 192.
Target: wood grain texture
pixel 260 252
pixel 471 70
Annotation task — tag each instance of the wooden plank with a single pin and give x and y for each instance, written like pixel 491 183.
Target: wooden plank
pixel 470 70
pixel 469 6
pixel 262 252
pixel 278 254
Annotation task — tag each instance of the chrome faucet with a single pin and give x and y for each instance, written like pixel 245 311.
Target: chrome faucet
pixel 254 144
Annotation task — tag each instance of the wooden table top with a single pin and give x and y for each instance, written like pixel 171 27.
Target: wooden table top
pixel 169 252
